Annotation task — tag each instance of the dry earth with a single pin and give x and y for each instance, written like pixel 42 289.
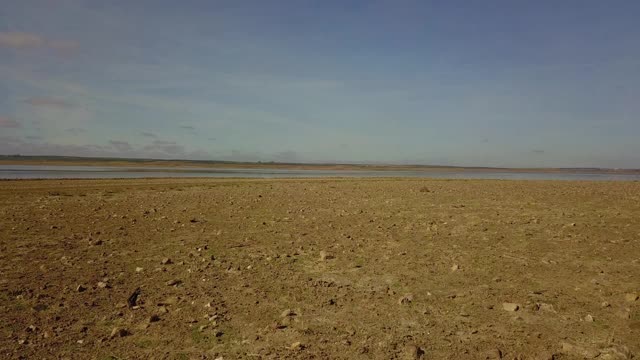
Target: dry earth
pixel 319 269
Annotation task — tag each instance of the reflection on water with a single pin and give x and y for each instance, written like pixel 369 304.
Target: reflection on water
pixel 106 172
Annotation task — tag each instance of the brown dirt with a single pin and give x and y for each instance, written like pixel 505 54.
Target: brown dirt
pixel 319 269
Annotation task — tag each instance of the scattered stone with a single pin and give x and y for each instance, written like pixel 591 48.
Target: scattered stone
pixel 219 333
pixel 203 327
pixel 631 297
pixel 413 352
pixel 405 300
pixel 288 313
pixel 546 307
pixel 96 242
pixel 510 307
pixel 102 285
pixel 81 288
pixel 119 332
pixel 174 282
pixel 579 350
pixel 139 269
pixel 166 261
pixel 494 354
pixel 163 310
pixel 588 318
pixel 133 298
pixel 605 304
pixel 297 346
pixel 154 318
pixel 455 267
pixel 32 328
pixel 325 256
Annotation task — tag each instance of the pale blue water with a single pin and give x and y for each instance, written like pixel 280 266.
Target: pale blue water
pixel 106 172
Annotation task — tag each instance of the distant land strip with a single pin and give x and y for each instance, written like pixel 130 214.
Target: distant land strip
pixel 138 162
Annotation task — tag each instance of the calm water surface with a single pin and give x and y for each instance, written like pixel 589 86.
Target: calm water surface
pixel 107 172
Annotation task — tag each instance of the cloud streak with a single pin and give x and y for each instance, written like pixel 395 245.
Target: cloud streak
pixel 49 102
pixel 8 123
pixel 76 131
pixel 25 40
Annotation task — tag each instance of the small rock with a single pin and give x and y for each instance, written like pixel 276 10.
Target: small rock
pixel 407 299
pixel 510 307
pixel 81 288
pixel 102 285
pixel 326 256
pixel 631 297
pixel 154 318
pixel 605 304
pixel 455 267
pixel 546 307
pixel 413 352
pixel 288 313
pixel 119 332
pixel 32 328
pixel 139 269
pixel 174 282
pixel 494 354
pixel 582 351
pixel 588 318
pixel 166 261
pixel 297 346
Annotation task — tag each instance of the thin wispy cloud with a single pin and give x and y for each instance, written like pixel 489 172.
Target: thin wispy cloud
pixel 50 102
pixel 148 134
pixel 6 122
pixel 26 40
pixel 188 127
pixel 76 131
pixel 120 145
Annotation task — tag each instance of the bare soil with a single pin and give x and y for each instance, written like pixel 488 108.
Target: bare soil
pixel 319 269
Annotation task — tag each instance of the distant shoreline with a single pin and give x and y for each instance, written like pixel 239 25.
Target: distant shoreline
pixel 119 162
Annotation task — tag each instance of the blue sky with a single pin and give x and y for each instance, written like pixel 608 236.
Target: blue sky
pixel 484 83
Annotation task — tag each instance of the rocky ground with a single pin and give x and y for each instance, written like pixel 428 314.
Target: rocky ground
pixel 319 269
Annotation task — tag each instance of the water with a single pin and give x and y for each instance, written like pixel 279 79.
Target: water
pixel 109 172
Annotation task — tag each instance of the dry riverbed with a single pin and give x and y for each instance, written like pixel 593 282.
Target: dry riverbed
pixel 319 269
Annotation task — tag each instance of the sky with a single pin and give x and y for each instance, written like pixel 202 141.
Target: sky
pixel 514 83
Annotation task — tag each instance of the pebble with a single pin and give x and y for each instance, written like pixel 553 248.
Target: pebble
pixel 119 332
pixel 455 267
pixel 631 297
pixel 288 313
pixel 326 256
pixel 510 306
pixel 582 351
pixel 166 261
pixel 173 282
pixel 413 352
pixel 605 304
pixel 297 346
pixel 154 318
pixel 494 354
pixel 81 288
pixel 588 318
pixel 407 299
pixel 139 269
pixel 102 285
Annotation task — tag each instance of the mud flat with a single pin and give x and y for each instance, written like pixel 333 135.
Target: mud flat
pixel 319 269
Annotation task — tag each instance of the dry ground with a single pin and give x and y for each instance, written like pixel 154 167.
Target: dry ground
pixel 319 269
